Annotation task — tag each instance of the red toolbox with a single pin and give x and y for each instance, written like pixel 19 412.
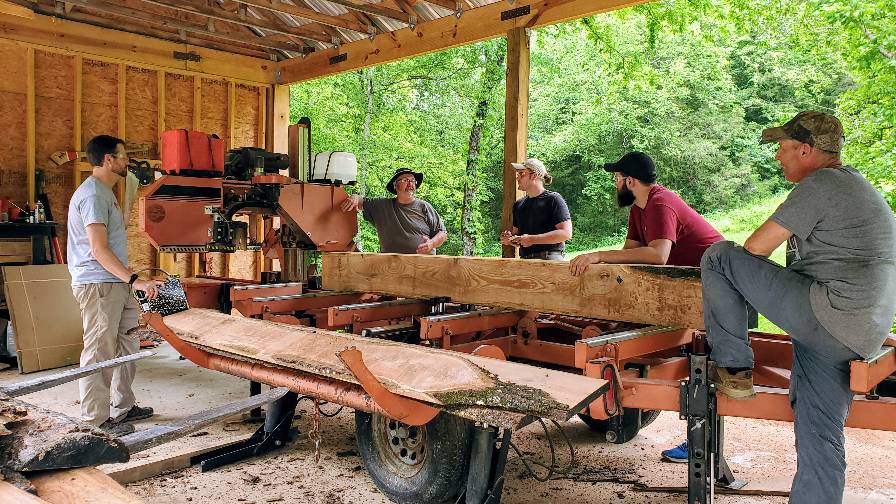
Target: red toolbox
pixel 192 152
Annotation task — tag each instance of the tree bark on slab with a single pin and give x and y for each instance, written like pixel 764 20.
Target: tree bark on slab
pixel 450 380
pixel 38 439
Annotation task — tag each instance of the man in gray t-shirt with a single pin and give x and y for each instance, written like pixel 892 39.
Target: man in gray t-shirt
pixel 97 252
pixel 404 224
pixel 836 298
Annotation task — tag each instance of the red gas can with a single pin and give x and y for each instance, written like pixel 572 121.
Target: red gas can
pixel 193 152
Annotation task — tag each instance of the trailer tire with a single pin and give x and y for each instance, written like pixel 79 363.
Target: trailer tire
pixel 415 464
pixel 633 421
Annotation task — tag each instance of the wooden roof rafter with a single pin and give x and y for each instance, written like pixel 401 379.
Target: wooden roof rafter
pixel 309 14
pixel 156 19
pixel 235 18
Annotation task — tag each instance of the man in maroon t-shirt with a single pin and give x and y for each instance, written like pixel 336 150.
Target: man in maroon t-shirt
pixel 662 229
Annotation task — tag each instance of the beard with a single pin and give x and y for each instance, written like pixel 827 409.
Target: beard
pixel 123 172
pixel 625 197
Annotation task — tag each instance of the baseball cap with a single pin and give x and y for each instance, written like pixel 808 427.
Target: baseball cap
pixel 535 165
pixel 820 130
pixel 634 164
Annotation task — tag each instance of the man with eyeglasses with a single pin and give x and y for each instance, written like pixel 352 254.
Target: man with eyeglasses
pixel 404 224
pixel 97 252
pixel 541 221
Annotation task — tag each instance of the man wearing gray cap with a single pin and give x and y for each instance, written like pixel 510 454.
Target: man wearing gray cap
pixel 836 298
pixel 541 220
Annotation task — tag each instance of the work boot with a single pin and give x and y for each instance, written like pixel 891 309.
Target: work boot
pixel 116 429
pixel 136 413
pixel 736 386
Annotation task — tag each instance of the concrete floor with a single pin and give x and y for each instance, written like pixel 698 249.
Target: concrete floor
pixel 759 451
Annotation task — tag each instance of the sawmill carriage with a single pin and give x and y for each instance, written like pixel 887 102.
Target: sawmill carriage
pixel 627 364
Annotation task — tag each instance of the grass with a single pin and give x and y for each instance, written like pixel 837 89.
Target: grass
pixel 736 225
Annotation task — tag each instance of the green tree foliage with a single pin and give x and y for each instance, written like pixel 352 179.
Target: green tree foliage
pixel 690 82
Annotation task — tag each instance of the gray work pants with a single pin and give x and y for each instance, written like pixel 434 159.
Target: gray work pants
pixel 819 382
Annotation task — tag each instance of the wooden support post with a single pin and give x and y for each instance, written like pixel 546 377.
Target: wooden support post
pixel 30 127
pixel 77 140
pixel 160 126
pixel 122 90
pixel 262 116
pixel 280 125
pixel 197 125
pixel 231 113
pixel 516 122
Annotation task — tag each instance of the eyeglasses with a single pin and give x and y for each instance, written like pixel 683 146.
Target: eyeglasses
pixel 523 173
pixel 119 155
pixel 406 181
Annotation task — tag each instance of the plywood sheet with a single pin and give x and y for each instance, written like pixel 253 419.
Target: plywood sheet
pixel 13 57
pixel 13 178
pixel 99 109
pixel 178 101
pixel 445 378
pixel 246 117
pixel 54 77
pixel 141 253
pixel 215 106
pixel 141 107
pixel 662 295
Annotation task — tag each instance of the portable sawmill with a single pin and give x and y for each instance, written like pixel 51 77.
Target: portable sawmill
pixel 636 362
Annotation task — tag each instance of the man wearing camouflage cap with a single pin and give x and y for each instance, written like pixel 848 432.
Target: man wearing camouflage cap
pixel 836 298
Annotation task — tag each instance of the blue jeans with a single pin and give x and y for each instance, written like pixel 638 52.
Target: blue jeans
pixel 819 381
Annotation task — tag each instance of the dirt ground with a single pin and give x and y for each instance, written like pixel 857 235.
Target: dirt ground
pixel 758 451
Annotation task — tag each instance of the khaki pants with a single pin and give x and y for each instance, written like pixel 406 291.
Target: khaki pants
pixel 108 312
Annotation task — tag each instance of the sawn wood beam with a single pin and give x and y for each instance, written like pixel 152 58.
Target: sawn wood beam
pixel 659 295
pixel 473 26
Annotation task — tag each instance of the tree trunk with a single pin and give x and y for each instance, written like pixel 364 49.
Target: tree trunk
pixel 37 439
pixel 494 61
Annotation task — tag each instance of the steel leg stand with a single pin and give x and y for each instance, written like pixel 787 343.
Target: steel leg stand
pixel 706 462
pixel 270 436
pixel 488 458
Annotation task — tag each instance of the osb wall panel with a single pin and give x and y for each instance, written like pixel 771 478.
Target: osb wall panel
pixel 245 117
pixel 141 254
pixel 178 102
pixel 54 109
pixel 183 264
pixel 215 105
pixel 216 264
pixel 142 107
pixel 99 98
pixel 13 106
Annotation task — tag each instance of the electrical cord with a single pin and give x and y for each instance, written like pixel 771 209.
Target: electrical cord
pixel 321 403
pixel 551 468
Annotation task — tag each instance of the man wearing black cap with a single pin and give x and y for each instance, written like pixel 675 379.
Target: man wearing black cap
pixel 836 298
pixel 662 228
pixel 404 224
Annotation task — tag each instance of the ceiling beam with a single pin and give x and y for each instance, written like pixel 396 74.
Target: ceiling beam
pixel 309 14
pixel 15 10
pixel 475 25
pixel 368 8
pixel 157 19
pixel 450 5
pixel 272 18
pixel 231 17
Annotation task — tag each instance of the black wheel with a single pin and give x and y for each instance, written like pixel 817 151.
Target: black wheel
pixel 623 428
pixel 415 464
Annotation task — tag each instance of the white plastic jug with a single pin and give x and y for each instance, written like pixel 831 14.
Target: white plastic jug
pixel 335 166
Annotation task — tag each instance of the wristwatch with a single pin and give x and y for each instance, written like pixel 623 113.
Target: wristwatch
pixel 133 279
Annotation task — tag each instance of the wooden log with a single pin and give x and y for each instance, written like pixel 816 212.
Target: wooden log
pixel 451 380
pixel 38 439
pixel 87 485
pixel 661 295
